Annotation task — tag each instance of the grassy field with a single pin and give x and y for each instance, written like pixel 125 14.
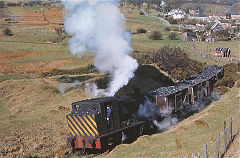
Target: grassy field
pixel 141 42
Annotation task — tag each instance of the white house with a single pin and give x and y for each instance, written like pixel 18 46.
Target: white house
pixel 177 13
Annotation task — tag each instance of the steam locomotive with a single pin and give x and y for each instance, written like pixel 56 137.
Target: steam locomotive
pixel 90 126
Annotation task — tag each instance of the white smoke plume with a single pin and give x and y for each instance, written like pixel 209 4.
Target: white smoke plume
pixel 61 88
pixel 98 26
pixel 92 91
pixel 166 123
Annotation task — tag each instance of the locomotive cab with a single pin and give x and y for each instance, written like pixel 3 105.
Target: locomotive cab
pixel 97 123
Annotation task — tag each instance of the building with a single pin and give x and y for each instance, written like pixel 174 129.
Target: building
pixel 216 26
pixel 220 16
pixel 235 16
pixel 202 17
pixel 191 36
pixel 177 13
pixel 194 11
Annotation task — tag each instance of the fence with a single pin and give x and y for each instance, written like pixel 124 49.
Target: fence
pixel 217 59
pixel 203 54
pixel 224 139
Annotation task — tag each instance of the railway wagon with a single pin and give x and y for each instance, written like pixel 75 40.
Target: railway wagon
pixel 99 123
pixel 186 91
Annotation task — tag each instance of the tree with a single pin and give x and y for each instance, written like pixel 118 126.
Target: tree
pixel 2 4
pixel 140 30
pixel 172 36
pixel 155 35
pixel 167 29
pixel 172 21
pixel 7 32
pixel 223 34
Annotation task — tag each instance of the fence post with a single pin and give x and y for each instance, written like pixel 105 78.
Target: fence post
pixel 230 130
pixel 198 154
pixel 217 144
pixel 192 156
pixel 239 117
pixel 225 137
pixel 205 150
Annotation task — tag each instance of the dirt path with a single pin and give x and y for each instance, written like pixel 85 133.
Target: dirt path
pixel 165 22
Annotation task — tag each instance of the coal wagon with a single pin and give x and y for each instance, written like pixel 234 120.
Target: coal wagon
pixel 187 91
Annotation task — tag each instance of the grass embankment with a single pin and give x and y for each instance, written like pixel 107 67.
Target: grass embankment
pixel 187 136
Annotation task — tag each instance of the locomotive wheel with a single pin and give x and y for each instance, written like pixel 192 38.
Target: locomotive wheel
pixel 114 140
pixel 110 141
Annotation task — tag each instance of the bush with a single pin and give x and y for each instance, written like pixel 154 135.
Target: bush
pixel 155 35
pixel 58 39
pixel 172 36
pixel 172 21
pixel 192 22
pixel 78 71
pixel 141 30
pixel 223 34
pixel 167 29
pixel 172 60
pixel 231 75
pixel 7 32
pixel 141 13
pixel 187 30
pixel 221 90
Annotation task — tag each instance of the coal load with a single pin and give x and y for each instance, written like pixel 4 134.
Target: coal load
pixel 206 74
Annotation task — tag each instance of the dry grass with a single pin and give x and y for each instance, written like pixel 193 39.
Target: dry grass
pixel 37 103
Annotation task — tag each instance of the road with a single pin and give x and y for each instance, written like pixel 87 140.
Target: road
pixel 165 22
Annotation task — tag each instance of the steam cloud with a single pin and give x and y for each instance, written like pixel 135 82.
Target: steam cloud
pixel 98 26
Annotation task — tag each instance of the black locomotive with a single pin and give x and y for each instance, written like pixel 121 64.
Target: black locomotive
pixel 100 122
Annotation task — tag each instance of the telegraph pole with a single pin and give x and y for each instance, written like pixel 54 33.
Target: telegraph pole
pixel 126 7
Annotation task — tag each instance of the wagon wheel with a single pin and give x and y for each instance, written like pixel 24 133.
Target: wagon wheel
pixel 141 128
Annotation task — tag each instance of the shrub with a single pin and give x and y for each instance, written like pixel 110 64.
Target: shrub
pixel 155 35
pixel 172 60
pixel 167 29
pixel 221 90
pixel 77 71
pixel 7 32
pixel 231 75
pixel 172 21
pixel 172 36
pixel 192 22
pixel 58 39
pixel 223 34
pixel 187 30
pixel 141 13
pixel 141 30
